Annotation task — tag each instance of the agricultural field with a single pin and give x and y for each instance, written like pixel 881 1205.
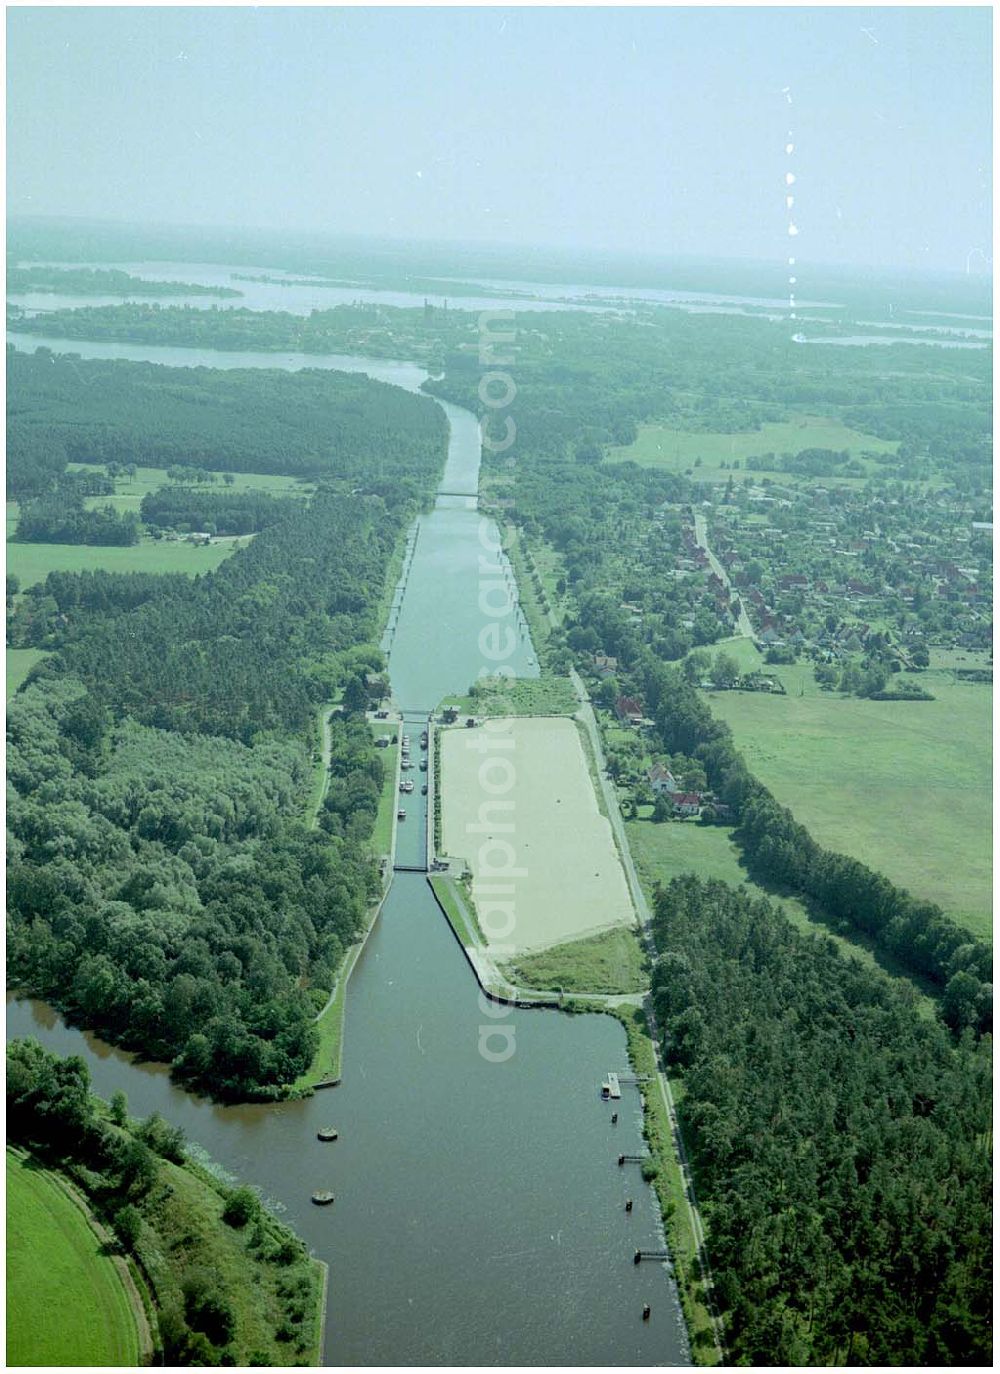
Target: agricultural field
pixel 32 563
pixel 676 450
pixel 567 878
pixel 902 786
pixel 19 664
pixel 56 1263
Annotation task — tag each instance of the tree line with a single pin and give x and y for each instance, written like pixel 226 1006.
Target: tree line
pixel 234 512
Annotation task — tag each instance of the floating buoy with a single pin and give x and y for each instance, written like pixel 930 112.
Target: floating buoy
pixel 322 1198
pixel 645 1313
pixel 328 1133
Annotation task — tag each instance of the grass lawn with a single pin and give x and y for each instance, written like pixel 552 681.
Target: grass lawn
pixel 66 1303
pixel 674 450
pixel 743 650
pixel 33 562
pixel 666 850
pixel 458 909
pixel 19 664
pixel 610 962
pixel 903 786
pixel 567 880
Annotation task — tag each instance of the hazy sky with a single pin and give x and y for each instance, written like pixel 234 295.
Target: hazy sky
pixel 658 130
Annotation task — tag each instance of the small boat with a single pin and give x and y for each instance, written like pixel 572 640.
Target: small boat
pixel 328 1133
pixel 323 1198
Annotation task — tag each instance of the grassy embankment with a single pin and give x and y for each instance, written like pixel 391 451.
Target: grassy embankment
pixel 902 786
pixel 267 1285
pixel 611 962
pixel 702 454
pixel 67 1301
pixel 326 1062
pixel 668 1182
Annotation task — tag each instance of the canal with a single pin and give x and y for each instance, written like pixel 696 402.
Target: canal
pixel 480 1209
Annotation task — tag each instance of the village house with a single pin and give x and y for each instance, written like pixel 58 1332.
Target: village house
pixel 662 780
pixel 687 803
pixel 628 710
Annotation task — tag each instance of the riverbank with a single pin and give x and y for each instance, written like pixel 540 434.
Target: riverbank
pixel 201 1273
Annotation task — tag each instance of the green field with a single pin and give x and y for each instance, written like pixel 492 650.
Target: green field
pixel 19 664
pixel 610 962
pixel 32 563
pixel 903 786
pixel 130 491
pixel 66 1303
pixel 677 450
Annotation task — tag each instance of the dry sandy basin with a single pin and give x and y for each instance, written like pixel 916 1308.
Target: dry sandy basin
pixel 519 807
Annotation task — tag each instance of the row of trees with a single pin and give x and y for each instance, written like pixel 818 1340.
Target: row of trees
pixel 780 850
pixel 840 1142
pixel 235 512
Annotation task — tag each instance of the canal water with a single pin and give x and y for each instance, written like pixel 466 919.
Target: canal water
pixel 480 1207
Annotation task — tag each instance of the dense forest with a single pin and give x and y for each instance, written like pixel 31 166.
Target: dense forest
pixel 172 1218
pixel 164 885
pixel 840 1142
pixel 311 423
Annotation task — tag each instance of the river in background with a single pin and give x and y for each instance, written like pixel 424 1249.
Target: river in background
pixel 480 1208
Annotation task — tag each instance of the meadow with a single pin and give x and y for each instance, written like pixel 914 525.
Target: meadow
pixel 129 491
pixel 568 880
pixel 902 786
pixel 19 664
pixel 32 563
pixel 677 450
pixel 66 1303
